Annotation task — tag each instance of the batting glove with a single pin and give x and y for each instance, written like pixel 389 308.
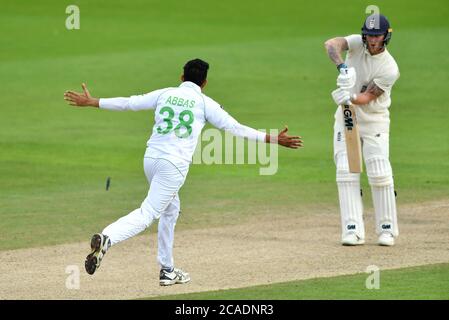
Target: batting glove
pixel 341 96
pixel 347 78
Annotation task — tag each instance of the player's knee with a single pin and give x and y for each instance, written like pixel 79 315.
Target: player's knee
pixel 172 211
pixel 347 177
pixel 343 174
pixel 148 214
pixel 379 172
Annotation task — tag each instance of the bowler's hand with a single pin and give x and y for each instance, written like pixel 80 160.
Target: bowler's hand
pixel 81 99
pixel 293 142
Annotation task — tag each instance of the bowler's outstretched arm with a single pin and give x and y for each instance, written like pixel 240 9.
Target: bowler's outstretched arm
pixel 81 99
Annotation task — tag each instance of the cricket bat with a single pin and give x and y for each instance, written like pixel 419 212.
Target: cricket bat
pixel 352 137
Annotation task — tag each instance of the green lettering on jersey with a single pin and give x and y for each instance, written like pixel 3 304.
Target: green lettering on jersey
pixel 183 123
pixel 167 120
pixel 180 102
pixel 183 129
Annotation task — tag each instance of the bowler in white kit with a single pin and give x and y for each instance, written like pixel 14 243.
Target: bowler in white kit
pixel 366 80
pixel 180 114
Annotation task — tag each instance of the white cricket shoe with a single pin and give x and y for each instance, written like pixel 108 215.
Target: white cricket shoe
pixel 352 240
pixel 168 278
pixel 386 239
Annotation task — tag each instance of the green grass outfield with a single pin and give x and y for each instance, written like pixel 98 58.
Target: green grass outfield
pixel 424 283
pixel 268 68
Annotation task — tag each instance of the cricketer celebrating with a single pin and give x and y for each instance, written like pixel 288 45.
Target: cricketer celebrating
pixel 366 79
pixel 180 114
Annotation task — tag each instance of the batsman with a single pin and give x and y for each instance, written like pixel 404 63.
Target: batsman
pixel 365 81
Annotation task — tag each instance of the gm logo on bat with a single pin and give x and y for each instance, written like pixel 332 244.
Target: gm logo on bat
pixel 349 123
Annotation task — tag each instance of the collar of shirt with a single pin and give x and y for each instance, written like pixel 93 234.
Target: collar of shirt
pixel 192 85
pixel 376 56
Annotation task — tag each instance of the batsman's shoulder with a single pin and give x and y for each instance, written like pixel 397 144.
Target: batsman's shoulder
pixel 390 66
pixel 354 41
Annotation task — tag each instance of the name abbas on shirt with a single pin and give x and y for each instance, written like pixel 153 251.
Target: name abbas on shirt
pixel 180 102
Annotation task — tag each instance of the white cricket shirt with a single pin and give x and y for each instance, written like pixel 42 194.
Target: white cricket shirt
pixel 373 117
pixel 180 115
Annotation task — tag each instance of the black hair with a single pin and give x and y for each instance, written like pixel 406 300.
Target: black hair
pixel 196 71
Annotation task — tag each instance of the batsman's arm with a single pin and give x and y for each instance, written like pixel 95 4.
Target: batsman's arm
pixel 371 93
pixel 335 48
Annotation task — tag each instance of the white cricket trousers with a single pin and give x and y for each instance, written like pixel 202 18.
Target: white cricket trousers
pixel 375 149
pixel 162 202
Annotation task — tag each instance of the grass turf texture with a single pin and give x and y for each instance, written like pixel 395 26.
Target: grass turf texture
pixel 424 283
pixel 268 68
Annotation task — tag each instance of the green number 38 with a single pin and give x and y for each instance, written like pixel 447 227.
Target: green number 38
pixel 185 120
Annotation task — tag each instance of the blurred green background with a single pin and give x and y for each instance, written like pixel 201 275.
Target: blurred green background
pixel 268 68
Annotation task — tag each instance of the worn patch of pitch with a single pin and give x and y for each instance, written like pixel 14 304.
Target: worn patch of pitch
pixel 265 249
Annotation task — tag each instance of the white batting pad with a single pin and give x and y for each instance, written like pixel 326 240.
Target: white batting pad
pixel 380 178
pixel 351 207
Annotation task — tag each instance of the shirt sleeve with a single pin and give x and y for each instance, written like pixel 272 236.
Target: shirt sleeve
pixel 220 119
pixel 387 79
pixel 355 42
pixel 134 103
